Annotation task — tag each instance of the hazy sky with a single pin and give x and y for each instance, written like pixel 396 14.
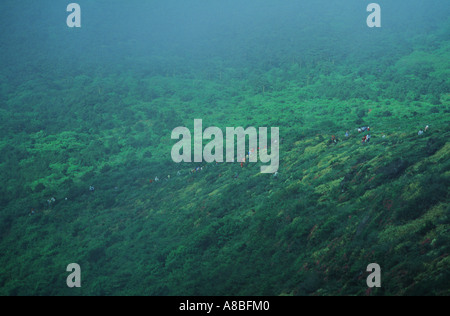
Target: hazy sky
pixel 36 31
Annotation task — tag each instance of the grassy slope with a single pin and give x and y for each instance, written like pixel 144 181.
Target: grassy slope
pixel 334 208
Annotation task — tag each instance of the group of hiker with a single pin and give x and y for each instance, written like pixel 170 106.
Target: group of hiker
pixel 242 162
pixel 366 138
pixel 363 129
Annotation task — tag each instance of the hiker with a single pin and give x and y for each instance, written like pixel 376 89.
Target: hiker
pixel 420 133
pixel 51 201
pixel 366 139
pixel 363 129
pixel 156 179
pixel 91 188
pixel 347 134
pixel 426 128
pixel 334 139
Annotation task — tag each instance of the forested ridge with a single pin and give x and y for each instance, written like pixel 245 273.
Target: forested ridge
pixel 71 122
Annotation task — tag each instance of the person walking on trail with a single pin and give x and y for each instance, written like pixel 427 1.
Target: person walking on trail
pixel 363 129
pixel 51 201
pixel 366 139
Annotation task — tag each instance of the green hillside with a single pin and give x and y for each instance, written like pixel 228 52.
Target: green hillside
pixel 332 209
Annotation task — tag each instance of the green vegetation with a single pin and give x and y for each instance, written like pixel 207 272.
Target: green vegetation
pixel 333 209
